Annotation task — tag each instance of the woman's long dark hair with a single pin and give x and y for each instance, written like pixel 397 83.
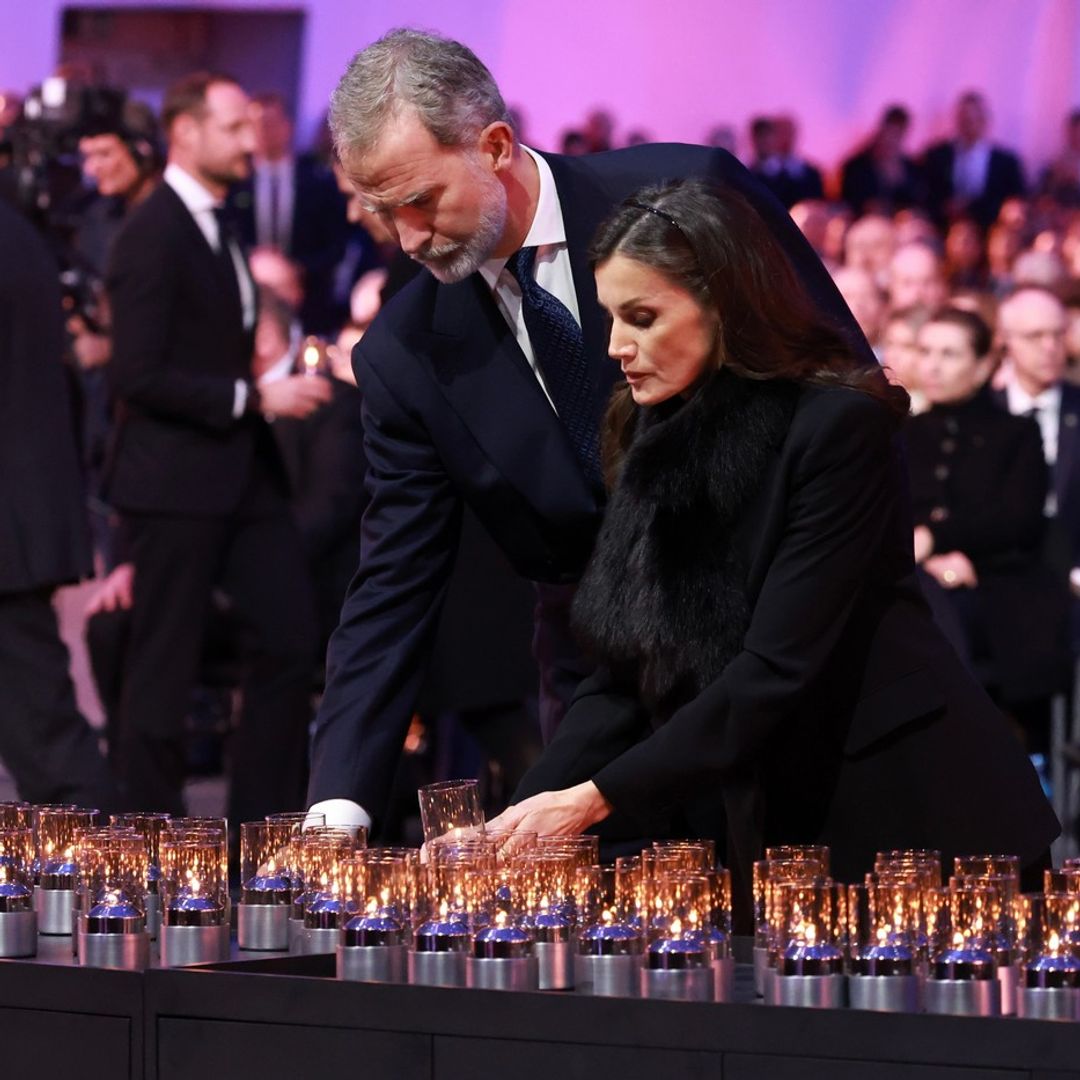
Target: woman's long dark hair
pixel 711 242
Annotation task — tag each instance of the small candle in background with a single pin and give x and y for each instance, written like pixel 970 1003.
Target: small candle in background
pixel 312 356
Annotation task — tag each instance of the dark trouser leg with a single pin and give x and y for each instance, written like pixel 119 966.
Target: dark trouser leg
pixel 46 744
pixel 107 635
pixel 176 560
pixel 266 576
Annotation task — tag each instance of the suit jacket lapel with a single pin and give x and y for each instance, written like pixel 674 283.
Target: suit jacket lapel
pixel 487 380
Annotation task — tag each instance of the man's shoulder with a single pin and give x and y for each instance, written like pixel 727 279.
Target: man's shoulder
pixel 160 213
pixel 651 162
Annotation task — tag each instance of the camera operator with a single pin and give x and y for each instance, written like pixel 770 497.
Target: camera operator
pixel 47 746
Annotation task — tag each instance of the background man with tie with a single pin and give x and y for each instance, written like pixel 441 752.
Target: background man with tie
pixel 196 474
pixel 484 381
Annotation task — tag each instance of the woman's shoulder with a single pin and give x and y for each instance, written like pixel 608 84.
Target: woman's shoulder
pixel 821 406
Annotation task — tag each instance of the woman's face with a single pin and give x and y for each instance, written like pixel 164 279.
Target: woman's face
pixel 899 355
pixel 947 368
pixel 660 335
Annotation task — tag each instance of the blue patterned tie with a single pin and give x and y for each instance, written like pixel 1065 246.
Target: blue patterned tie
pixel 559 349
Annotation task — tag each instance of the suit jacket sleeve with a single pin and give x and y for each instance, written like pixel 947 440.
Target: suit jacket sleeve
pixel 1013 521
pixel 142 294
pixel 843 495
pixel 378 653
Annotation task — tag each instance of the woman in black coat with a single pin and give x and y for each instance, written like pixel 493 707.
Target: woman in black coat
pixel 978 484
pixel 769 668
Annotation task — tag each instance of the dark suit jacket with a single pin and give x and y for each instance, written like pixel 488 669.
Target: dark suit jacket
pixel 179 345
pixel 452 413
pixel 317 237
pixel 43 534
pixel 846 718
pixel 864 189
pixel 1004 179
pixel 792 187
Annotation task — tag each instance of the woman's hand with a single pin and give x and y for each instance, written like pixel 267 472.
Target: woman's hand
pixel 923 543
pixel 556 813
pixel 952 570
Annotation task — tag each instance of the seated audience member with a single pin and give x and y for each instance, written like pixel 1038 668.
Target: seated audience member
pixel 1060 180
pixel 914 227
pixel 1003 245
pixel 1039 269
pixel 978 482
pixel 881 178
pixel 1032 325
pixel 599 131
pixel 799 178
pixel 967 175
pixel 723 137
pixel 574 143
pixel 866 300
pixel 899 352
pixel 813 218
pixel 916 277
pixel 836 233
pixel 869 245
pixel 965 255
pixel 1070 297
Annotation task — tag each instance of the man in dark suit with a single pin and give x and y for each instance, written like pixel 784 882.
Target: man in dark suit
pixel 292 204
pixel 45 743
pixel 966 176
pixel 880 178
pixel 484 380
pixel 195 471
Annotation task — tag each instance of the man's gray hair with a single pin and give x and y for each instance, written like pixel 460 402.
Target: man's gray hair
pixel 450 89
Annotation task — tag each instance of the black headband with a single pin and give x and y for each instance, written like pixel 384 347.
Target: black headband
pixel 660 214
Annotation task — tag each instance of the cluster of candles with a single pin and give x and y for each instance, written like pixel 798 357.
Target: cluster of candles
pixel 513 910
pixel 904 940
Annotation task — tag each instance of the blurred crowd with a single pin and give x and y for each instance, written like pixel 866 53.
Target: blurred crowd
pixel 961 266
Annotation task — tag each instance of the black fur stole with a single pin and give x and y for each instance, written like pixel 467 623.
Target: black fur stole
pixel 663 599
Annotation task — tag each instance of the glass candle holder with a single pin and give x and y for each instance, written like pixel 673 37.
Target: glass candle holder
pixel 963 974
pixel 450 808
pixel 18 815
pixel 678 958
pixel 18 920
pixel 504 954
pixel 816 854
pixel 194 899
pixel 767 873
pixel 609 938
pixel 883 931
pixel 151 827
pixel 692 855
pixel 1001 937
pixel 1050 972
pixel 313 855
pixel 923 863
pixel 54 831
pixel 266 886
pixel 114 866
pixel 442 916
pixel 380 894
pixel 583 848
pixel 546 897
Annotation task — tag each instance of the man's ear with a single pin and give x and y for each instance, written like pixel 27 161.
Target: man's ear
pixel 496 144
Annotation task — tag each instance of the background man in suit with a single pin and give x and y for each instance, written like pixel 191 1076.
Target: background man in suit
pixel 45 743
pixel 195 471
pixel 484 381
pixel 966 176
pixel 292 204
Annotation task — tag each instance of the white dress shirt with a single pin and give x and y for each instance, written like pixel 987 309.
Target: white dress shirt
pixel 970 166
pixel 1047 411
pixel 201 204
pixel 553 272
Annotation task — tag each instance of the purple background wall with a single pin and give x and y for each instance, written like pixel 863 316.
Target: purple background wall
pixel 676 68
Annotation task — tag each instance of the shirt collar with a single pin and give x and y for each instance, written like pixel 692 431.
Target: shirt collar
pixel 547 228
pixel 1021 402
pixel 191 192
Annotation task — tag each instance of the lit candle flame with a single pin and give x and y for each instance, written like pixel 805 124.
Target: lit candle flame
pixel 676 927
pixel 311 359
pixel 1054 943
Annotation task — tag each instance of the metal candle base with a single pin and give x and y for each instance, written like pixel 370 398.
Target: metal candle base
pixel 503 973
pixel 438 969
pixel 555 964
pixel 319 941
pixel 1008 980
pixel 1048 1003
pixel 963 997
pixel 54 908
pixel 118 952
pixel 153 915
pixel 884 993
pixel 677 984
pixel 608 976
pixel 724 979
pixel 183 946
pixel 262 927
pixel 296 935
pixel 18 934
pixel 809 991
pixel 761 969
pixel 372 963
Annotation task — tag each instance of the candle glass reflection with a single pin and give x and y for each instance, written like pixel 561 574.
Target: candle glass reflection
pixel 18 920
pixel 450 808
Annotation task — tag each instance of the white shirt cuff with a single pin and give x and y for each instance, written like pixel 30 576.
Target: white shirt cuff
pixel 239 401
pixel 342 813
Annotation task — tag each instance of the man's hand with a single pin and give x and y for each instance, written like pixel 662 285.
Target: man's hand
pixel 91 350
pixel 556 813
pixel 952 570
pixel 115 593
pixel 296 396
pixel 923 543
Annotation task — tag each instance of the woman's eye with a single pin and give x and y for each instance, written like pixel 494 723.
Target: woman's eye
pixel 642 319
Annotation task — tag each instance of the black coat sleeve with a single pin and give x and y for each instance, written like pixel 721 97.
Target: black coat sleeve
pixel 378 653
pixel 843 497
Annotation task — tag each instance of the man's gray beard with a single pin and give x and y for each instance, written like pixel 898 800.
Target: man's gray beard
pixel 469 255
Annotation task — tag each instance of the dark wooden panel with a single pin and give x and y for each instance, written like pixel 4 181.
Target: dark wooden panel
pixel 283 1051
pixel 771 1067
pixel 41 1043
pixel 469 1059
